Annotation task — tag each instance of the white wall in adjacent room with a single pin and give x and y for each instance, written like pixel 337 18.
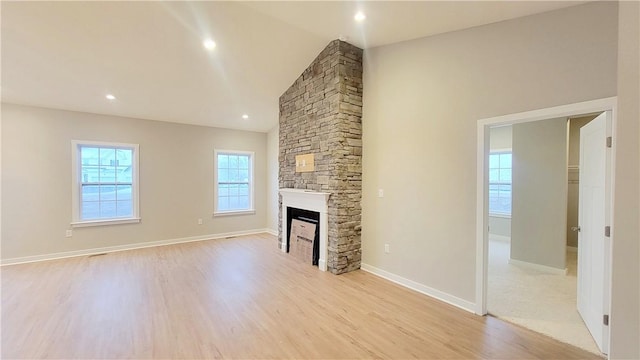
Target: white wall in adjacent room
pixel 539 212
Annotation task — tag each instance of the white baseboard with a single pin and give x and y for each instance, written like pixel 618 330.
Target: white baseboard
pixel 573 249
pixel 437 294
pixel 109 249
pixel 271 231
pixel 501 238
pixel 538 267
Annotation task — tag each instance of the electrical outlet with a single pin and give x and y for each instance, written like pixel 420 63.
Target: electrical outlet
pixel 380 193
pixel 199 221
pixel 386 248
pixel 69 233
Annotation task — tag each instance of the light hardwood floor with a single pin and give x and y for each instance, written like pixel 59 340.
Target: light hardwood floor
pixel 238 298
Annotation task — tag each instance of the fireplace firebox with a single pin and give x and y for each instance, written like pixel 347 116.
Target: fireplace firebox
pixel 308 216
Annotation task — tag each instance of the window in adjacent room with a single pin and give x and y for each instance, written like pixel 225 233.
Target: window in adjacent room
pixel 500 183
pixel 233 176
pixel 105 183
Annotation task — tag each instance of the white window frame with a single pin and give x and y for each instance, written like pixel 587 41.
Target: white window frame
pixel 76 187
pixel 501 214
pixel 251 209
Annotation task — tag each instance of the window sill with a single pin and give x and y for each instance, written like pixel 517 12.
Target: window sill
pixel 498 215
pixel 105 222
pixel 234 212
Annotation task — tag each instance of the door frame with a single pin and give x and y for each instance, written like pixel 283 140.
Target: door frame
pixel 482 178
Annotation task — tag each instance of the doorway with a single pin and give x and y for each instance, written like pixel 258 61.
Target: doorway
pixel 532 275
pixel 483 221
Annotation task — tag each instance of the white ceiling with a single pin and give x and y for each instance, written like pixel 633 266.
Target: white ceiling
pixel 69 55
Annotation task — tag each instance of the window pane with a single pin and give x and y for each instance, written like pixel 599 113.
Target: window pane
pixel 124 209
pixel 500 172
pixel 505 160
pixel 494 161
pixel 223 161
pixel 90 193
pixel 243 175
pixel 90 210
pixel 223 203
pixel 104 167
pixel 233 172
pixel 123 192
pixel 233 203
pixel 107 157
pixel 107 174
pixel 123 157
pixel 123 174
pixel 233 161
pixel 223 190
pixel 505 175
pixel 90 174
pixel 223 175
pixel 233 175
pixel 500 199
pixel 243 162
pixel 108 209
pixel 89 155
pixel 107 193
pixel 494 175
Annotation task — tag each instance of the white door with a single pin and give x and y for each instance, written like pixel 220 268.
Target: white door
pixel 593 245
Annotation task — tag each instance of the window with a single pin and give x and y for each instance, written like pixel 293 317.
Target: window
pixel 233 182
pixel 500 183
pixel 105 183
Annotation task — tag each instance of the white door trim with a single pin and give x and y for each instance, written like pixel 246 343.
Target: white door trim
pixel 482 176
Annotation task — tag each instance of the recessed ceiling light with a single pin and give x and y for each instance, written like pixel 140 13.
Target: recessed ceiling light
pixel 209 44
pixel 359 16
pixel 245 116
pixel 110 97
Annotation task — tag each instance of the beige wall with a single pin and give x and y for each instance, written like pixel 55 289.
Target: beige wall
pixel 539 211
pixel 272 181
pixel 422 100
pixel 625 292
pixel 176 180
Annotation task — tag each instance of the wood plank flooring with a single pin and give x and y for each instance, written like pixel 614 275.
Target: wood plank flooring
pixel 238 298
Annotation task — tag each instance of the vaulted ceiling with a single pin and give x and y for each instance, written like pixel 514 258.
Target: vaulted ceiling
pixel 150 55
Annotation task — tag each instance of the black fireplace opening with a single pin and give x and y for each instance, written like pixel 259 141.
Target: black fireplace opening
pixel 309 216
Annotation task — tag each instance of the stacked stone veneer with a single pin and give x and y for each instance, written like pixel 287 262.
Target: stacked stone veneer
pixel 321 114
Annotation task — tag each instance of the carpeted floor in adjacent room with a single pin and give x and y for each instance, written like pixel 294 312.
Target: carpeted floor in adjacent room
pixel 540 301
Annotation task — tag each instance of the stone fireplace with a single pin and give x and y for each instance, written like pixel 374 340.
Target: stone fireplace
pixel 321 117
